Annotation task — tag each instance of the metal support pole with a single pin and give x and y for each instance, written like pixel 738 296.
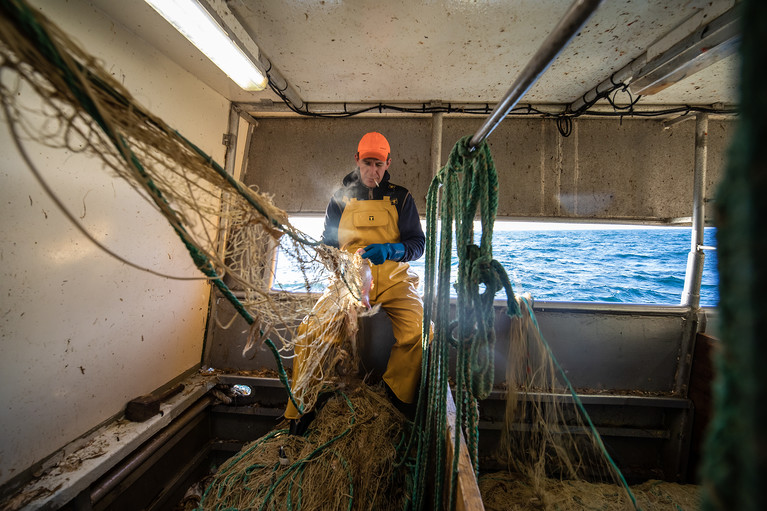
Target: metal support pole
pixel 230 139
pixel 693 277
pixel 436 142
pixel 230 157
pixel 573 20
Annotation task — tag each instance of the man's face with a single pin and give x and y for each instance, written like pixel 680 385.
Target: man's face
pixel 372 170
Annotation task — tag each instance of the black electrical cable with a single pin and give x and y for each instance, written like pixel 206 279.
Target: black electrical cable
pixel 563 119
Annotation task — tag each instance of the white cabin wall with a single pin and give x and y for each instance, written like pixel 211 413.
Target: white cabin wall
pixel 81 333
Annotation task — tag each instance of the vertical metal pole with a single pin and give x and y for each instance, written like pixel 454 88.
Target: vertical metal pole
pixel 694 275
pixel 230 139
pixel 573 20
pixel 436 142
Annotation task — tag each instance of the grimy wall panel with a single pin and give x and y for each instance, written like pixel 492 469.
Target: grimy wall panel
pixel 631 170
pixel 634 170
pixel 301 162
pixel 525 153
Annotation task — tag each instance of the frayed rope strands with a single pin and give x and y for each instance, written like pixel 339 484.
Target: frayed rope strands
pixel 530 316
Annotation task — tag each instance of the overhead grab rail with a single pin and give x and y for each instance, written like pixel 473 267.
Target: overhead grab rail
pixel 570 24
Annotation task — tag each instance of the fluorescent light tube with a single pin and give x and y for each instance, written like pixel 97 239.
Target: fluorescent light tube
pixel 197 25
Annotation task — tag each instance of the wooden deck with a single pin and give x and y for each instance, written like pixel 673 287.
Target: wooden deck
pixel 468 497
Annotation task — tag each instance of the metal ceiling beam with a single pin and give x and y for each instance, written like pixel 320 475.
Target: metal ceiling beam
pixel 622 76
pixel 649 74
pixel 705 46
pixel 570 24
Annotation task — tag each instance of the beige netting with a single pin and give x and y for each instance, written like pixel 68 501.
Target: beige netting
pixel 504 491
pixel 347 461
pixel 79 107
pixel 549 442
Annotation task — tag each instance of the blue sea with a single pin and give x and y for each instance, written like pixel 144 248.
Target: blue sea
pixel 580 263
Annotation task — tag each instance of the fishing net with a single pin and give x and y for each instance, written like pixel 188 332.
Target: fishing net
pixel 504 491
pixel 347 460
pixel 82 109
pixel 551 447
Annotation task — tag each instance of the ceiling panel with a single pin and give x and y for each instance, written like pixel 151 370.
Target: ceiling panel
pixel 459 51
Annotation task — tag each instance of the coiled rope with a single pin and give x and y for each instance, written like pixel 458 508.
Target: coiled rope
pixel 468 183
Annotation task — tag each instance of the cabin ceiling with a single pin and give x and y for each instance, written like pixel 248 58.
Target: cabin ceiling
pixel 451 51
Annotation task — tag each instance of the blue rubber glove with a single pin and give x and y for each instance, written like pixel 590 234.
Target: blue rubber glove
pixel 380 252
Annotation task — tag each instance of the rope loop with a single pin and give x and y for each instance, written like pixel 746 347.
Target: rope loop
pixel 463 191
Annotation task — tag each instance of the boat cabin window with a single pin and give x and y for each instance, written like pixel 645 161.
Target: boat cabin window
pixel 565 262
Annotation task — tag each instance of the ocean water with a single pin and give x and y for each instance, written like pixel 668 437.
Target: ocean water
pixel 578 263
pixel 644 265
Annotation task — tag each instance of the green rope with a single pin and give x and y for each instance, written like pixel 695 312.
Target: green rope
pixel 734 468
pixel 467 183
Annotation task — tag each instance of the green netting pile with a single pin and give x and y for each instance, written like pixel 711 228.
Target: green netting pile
pixel 346 461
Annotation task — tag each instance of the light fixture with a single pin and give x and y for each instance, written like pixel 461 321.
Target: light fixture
pixel 197 25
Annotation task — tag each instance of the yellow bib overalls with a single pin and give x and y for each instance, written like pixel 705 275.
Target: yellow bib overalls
pixel 394 287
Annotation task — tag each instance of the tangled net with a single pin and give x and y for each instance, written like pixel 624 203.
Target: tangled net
pixel 347 461
pixel 549 443
pixel 503 491
pixel 82 109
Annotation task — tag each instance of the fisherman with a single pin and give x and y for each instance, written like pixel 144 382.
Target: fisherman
pixel 380 218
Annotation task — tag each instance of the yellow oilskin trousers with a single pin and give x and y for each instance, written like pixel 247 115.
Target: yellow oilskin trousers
pixel 394 287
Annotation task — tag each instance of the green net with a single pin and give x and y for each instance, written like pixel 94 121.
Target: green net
pixel 345 462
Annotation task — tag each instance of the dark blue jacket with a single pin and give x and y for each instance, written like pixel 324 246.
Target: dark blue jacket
pixel 409 224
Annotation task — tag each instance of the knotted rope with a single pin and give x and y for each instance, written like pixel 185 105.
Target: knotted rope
pixel 467 183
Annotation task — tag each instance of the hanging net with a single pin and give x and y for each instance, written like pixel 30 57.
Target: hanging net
pixel 82 109
pixel 552 450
